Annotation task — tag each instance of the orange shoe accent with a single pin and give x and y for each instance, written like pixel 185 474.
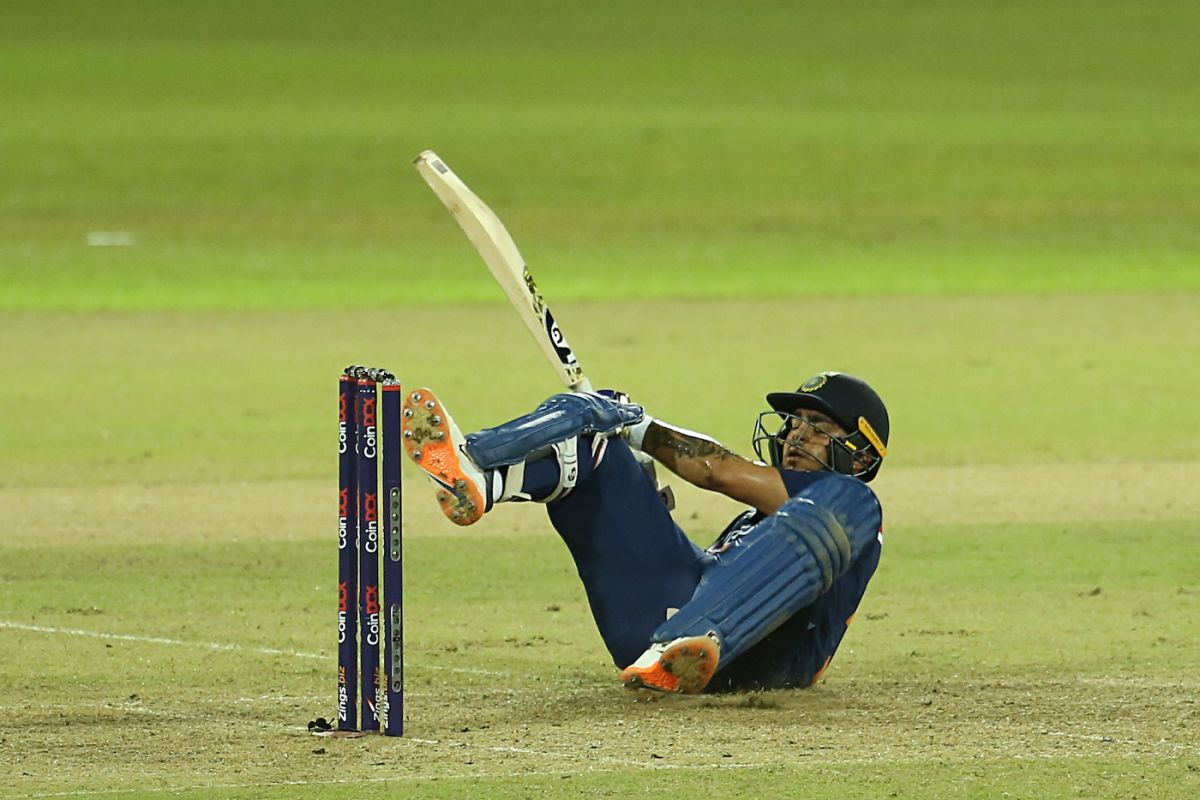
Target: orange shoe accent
pixel 685 667
pixel 821 671
pixel 430 441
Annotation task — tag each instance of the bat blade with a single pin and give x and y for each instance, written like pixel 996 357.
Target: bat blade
pixel 498 250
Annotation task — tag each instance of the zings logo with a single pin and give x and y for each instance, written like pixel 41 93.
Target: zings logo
pixel 343 695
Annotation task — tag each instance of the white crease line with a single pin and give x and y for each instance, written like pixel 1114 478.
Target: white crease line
pixel 125 637
pixel 225 646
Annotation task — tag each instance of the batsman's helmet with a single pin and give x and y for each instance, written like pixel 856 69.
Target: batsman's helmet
pixel 848 400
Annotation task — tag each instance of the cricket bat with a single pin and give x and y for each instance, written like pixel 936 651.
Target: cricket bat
pixel 499 252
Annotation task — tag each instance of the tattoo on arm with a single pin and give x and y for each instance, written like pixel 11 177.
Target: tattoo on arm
pixel 705 463
pixel 682 444
pixel 691 456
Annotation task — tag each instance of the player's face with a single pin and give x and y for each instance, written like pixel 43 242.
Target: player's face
pixel 807 440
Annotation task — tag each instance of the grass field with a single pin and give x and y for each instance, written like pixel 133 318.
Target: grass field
pixel 991 214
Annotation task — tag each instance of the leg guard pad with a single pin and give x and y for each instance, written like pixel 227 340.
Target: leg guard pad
pixel 781 567
pixel 561 417
pixel 567 454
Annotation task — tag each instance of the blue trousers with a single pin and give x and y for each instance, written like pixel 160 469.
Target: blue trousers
pixel 635 563
pixel 633 559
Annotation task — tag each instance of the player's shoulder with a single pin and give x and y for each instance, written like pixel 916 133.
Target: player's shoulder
pixel 812 485
pixel 798 481
pixel 852 502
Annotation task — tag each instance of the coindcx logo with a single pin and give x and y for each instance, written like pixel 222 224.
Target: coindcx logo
pixel 343 607
pixel 343 514
pixel 371 607
pixel 342 437
pixel 368 421
pixel 371 520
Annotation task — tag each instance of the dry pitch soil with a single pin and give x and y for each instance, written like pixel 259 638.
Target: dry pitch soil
pixel 910 705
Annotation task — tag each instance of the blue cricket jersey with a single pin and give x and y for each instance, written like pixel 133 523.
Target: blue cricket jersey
pixel 797 652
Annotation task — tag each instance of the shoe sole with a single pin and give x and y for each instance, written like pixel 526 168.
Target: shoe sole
pixel 429 442
pixel 683 668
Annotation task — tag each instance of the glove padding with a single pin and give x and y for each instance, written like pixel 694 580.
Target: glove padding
pixel 631 433
pixel 616 395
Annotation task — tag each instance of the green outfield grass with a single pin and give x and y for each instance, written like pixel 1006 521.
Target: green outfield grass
pixel 260 160
pixel 990 213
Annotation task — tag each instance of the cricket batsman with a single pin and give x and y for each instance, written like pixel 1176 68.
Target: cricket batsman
pixel 767 604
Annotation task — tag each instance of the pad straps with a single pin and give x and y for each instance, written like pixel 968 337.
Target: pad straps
pixel 567 453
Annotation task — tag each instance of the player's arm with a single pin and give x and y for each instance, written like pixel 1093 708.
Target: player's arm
pixel 703 462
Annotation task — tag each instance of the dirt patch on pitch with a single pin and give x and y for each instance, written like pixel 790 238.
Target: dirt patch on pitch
pixel 483 731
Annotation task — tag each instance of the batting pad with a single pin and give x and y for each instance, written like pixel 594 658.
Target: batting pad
pixel 780 567
pixel 561 417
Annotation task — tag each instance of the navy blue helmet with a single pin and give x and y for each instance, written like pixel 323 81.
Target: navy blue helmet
pixel 844 398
